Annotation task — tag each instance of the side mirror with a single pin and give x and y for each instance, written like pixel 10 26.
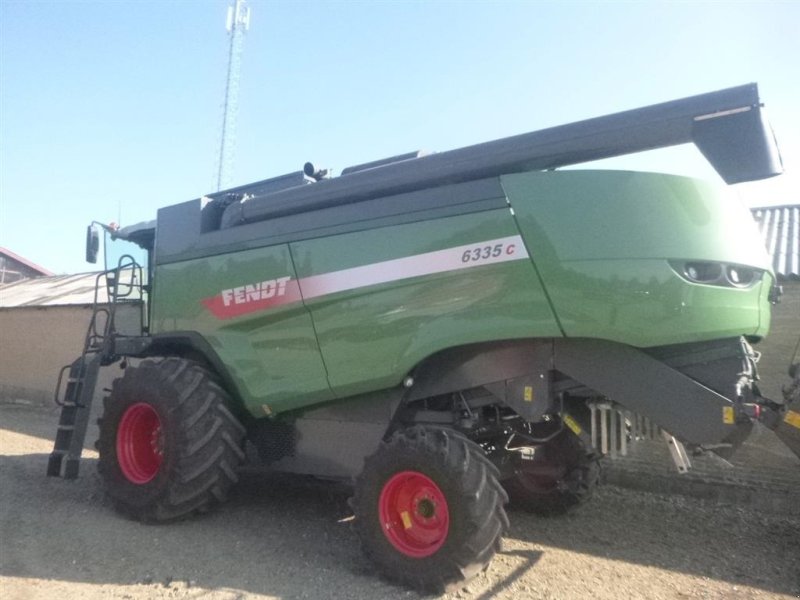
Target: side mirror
pixel 92 244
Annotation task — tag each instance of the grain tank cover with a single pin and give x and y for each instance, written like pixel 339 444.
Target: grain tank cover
pixel 728 126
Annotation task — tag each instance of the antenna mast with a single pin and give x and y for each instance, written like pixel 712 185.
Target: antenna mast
pixel 238 22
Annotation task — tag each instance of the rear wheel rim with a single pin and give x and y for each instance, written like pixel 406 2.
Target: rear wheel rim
pixel 140 445
pixel 414 514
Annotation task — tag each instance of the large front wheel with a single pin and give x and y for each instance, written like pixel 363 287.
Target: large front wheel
pixel 168 445
pixel 429 509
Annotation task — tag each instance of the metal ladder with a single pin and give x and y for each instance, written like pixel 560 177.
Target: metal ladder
pixel 98 351
pixel 75 409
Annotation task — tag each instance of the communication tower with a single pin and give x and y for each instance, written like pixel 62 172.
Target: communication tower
pixel 237 23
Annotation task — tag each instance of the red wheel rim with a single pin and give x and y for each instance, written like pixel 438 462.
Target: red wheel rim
pixel 413 513
pixel 140 445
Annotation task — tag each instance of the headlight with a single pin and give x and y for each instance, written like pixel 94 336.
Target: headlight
pixel 739 276
pixel 717 273
pixel 702 272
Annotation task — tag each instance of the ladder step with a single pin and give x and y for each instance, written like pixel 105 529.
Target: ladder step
pixel 59 459
pixel 71 469
pixel 54 463
pixel 71 433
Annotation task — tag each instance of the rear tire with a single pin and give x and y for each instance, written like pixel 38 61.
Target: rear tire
pixel 429 508
pixel 562 476
pixel 168 445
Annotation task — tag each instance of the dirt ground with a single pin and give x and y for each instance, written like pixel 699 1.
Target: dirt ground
pixel 283 537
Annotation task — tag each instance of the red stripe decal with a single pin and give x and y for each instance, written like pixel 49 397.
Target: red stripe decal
pixel 247 299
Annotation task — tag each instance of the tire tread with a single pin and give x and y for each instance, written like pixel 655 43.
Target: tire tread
pixel 477 498
pixel 206 440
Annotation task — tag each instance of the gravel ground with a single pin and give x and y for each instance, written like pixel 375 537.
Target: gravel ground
pixel 285 537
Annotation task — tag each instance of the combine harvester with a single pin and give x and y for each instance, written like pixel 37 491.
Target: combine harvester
pixel 442 330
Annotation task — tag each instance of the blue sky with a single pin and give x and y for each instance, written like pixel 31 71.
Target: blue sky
pixel 110 110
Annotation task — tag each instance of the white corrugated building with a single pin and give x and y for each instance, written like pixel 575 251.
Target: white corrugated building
pixel 780 228
pixel 43 323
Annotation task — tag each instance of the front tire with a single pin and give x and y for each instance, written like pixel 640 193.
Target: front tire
pixel 168 445
pixel 429 509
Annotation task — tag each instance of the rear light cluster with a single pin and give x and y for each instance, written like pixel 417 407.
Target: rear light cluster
pixel 716 273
